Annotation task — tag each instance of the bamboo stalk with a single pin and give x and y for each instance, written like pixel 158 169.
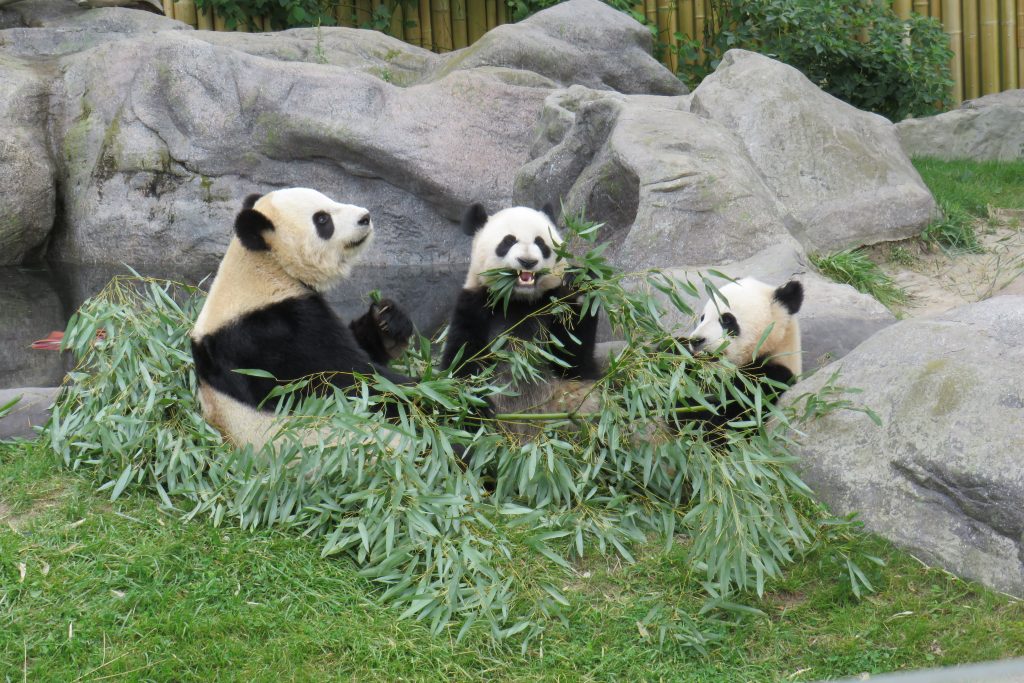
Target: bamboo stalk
pixel 972 82
pixel 686 19
pixel 398 20
pixel 460 29
pixel 951 23
pixel 651 11
pixel 204 18
pixel 169 9
pixel 413 35
pixel 364 12
pixel 426 28
pixel 442 20
pixel 185 11
pixel 1007 43
pixel 989 39
pixel 476 19
pixel 502 12
pixel 1020 43
pixel 664 14
pixel 344 13
pixel 921 7
pixel 698 26
pixel 492 14
pixel 673 42
pixel 901 8
pixel 935 10
pixel 219 23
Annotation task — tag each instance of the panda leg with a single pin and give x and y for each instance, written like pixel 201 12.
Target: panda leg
pixel 383 331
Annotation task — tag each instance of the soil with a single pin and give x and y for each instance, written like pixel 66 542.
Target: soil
pixel 939 280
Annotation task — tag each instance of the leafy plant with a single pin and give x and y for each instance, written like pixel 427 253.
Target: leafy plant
pixel 954 232
pixel 446 542
pixel 854 267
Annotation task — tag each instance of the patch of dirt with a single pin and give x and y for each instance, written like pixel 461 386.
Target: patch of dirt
pixel 17 521
pixel 938 281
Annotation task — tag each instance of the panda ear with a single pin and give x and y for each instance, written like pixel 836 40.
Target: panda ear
pixel 474 219
pixel 791 296
pixel 251 200
pixel 549 210
pixel 250 225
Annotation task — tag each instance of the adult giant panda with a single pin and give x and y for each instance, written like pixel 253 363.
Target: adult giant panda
pixel 524 241
pixel 266 310
pixel 754 326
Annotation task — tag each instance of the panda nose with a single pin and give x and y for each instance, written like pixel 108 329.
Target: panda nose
pixel 696 343
pixel 364 221
pixel 527 263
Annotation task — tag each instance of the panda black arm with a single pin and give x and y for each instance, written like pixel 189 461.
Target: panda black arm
pixel 763 372
pixel 578 336
pixel 383 331
pixel 468 330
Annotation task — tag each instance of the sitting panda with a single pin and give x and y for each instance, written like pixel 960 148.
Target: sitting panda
pixel 524 241
pixel 266 311
pixel 736 323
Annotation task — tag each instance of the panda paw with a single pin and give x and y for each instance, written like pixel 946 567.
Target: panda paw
pixel 393 326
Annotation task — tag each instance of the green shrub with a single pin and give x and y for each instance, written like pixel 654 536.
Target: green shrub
pixel 853 267
pixel 954 232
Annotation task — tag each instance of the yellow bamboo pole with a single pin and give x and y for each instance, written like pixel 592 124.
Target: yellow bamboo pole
pixel 664 14
pixel 972 80
pixel 219 23
pixel 1020 43
pixel 426 28
pixel 344 13
pixel 204 18
pixel 935 10
pixel 442 20
pixel 492 14
pixel 951 23
pixel 460 29
pixel 476 19
pixel 921 7
pixel 398 20
pixel 698 26
pixel 902 8
pixel 169 8
pixel 413 34
pixel 185 11
pixel 1007 44
pixel 364 11
pixel 502 12
pixel 673 42
pixel 651 11
pixel 686 19
pixel 989 38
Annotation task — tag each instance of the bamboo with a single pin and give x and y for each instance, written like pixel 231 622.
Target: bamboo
pixel 651 11
pixel 219 23
pixel 413 35
pixel 185 11
pixel 204 18
pixel 698 27
pixel 935 9
pixel 686 19
pixel 243 26
pixel 426 28
pixel 673 42
pixel 460 30
pixel 1007 44
pixel 398 21
pixel 902 8
pixel 476 19
pixel 664 14
pixel 268 23
pixel 364 12
pixel 442 20
pixel 972 82
pixel 169 8
pixel 951 22
pixel 921 7
pixel 502 12
pixel 1020 43
pixel 492 13
pixel 988 37
pixel 344 13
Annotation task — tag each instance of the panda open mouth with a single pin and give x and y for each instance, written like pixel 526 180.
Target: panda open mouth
pixel 526 279
pixel 355 243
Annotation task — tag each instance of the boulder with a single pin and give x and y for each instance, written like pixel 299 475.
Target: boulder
pixel 942 476
pixel 988 128
pixel 30 308
pixel 839 171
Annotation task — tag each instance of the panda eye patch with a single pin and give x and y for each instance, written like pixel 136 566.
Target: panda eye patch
pixel 324 224
pixel 702 317
pixel 729 324
pixel 545 250
pixel 505 245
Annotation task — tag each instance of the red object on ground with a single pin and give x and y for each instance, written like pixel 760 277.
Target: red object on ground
pixel 49 343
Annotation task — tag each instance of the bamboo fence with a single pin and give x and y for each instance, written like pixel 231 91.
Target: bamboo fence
pixel 986 36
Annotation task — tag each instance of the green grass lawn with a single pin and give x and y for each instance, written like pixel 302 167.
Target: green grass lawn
pixel 122 591
pixel 973 186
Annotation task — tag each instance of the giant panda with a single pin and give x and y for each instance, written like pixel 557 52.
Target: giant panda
pixel 524 241
pixel 754 326
pixel 266 311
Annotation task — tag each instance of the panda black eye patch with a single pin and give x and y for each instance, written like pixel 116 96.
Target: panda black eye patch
pixel 729 324
pixel 545 250
pixel 324 224
pixel 505 245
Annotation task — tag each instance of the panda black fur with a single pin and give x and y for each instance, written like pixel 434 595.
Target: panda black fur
pixel 523 240
pixel 266 310
pixel 736 323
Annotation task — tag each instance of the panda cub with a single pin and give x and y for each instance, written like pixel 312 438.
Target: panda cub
pixel 266 310
pixel 736 322
pixel 524 241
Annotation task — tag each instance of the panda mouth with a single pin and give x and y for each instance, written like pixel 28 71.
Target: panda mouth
pixel 356 243
pixel 526 279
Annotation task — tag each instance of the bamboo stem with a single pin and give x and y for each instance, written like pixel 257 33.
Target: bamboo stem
pixel 664 14
pixel 344 14
pixel 972 82
pixel 426 26
pixel 492 13
pixel 989 39
pixel 901 8
pixel 1020 43
pixel 542 417
pixel 698 26
pixel 204 18
pixel 651 11
pixel 169 9
pixel 951 22
pixel 921 7
pixel 442 21
pixel 219 23
pixel 364 12
pixel 398 20
pixel 502 12
pixel 460 29
pixel 185 12
pixel 673 42
pixel 476 19
pixel 686 19
pixel 413 34
pixel 935 10
pixel 1008 40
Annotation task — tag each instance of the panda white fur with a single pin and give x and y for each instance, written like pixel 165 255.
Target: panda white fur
pixel 736 323
pixel 266 310
pixel 525 241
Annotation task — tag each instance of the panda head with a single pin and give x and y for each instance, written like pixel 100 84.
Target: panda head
pixel 741 316
pixel 519 239
pixel 311 238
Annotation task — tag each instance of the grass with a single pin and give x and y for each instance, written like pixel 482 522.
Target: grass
pixel 854 267
pixel 122 591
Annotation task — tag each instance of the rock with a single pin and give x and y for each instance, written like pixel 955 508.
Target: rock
pixel 27 191
pixel 31 410
pixel 988 128
pixel 942 476
pixel 670 187
pixel 839 171
pixel 30 308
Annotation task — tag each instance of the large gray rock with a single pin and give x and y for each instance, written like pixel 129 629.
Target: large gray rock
pixel 27 192
pixel 839 171
pixel 988 128
pixel 942 476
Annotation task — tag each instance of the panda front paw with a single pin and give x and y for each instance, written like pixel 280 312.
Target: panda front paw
pixel 393 326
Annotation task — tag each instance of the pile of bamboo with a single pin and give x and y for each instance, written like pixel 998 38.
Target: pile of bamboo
pixel 986 36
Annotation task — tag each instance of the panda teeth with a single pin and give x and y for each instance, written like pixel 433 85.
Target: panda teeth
pixel 526 278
